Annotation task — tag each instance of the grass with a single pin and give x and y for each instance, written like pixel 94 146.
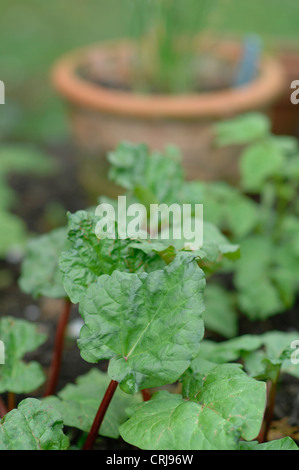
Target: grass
pixel 34 33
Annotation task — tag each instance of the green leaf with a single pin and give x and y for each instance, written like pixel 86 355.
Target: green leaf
pixel 19 337
pixel 231 350
pixel 89 257
pixel 243 129
pixel 79 403
pixel 148 325
pixel 281 444
pixel 258 295
pixel 32 426
pixel 260 162
pixel 194 375
pixel 168 422
pixel 152 177
pixel 220 315
pixel 228 405
pixel 40 273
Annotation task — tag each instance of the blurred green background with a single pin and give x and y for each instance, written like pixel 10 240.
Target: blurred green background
pixel 33 33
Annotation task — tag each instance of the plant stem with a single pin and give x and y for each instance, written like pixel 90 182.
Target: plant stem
pixel 11 401
pixel 263 436
pixel 270 410
pixel 3 409
pixel 93 433
pixel 58 349
pixel 146 394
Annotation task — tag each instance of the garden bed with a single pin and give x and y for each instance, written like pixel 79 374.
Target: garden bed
pixel 36 194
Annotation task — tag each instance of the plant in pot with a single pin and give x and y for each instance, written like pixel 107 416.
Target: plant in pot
pixel 170 85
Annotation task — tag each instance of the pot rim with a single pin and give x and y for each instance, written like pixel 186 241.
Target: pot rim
pixel 258 94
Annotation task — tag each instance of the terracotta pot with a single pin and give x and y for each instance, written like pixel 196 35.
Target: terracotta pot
pixel 101 116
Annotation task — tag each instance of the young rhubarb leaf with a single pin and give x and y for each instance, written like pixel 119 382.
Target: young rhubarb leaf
pixel 228 404
pixel 149 325
pixel 89 257
pixel 154 177
pixel 78 404
pixel 40 273
pixel 32 426
pixel 19 337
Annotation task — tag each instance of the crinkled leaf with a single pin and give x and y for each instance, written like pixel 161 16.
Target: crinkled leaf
pixel 228 405
pixel 79 403
pixel 152 177
pixel 32 426
pixel 148 325
pixel 89 257
pixel 40 273
pixel 19 337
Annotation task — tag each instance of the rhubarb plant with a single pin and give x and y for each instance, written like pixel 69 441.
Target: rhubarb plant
pixel 145 306
pixel 269 168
